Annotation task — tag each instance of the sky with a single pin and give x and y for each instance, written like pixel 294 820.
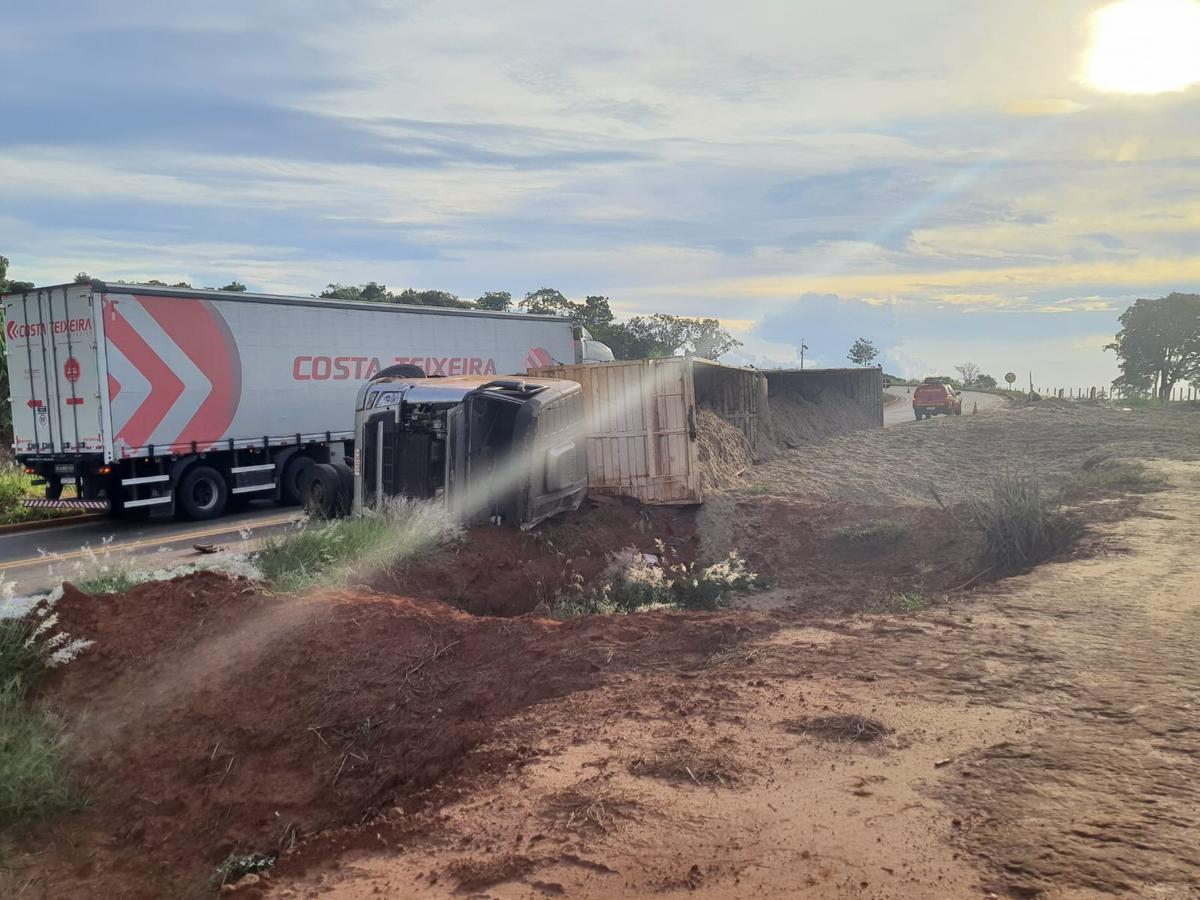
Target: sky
pixel 989 182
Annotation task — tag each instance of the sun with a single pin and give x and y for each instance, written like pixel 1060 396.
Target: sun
pixel 1145 46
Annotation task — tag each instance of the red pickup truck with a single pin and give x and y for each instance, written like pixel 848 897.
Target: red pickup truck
pixel 935 396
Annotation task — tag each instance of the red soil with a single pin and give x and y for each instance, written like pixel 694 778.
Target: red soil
pixel 211 718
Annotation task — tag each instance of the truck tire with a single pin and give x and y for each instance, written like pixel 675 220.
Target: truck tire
pixel 291 482
pixel 54 487
pixel 920 415
pixel 323 494
pixel 202 494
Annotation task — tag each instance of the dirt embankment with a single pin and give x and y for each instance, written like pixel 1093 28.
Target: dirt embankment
pixel 395 745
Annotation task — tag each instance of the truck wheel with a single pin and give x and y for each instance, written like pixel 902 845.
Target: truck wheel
pixel 291 483
pixel 919 415
pixel 323 491
pixel 202 494
pixel 54 487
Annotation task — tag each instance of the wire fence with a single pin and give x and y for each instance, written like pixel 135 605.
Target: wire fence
pixel 1179 394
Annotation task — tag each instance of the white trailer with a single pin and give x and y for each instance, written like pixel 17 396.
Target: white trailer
pixel 167 399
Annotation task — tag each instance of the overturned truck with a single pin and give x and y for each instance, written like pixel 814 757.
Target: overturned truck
pixel 499 450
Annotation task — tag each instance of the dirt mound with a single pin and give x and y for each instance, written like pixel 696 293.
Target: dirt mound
pixel 505 572
pixel 724 452
pixel 214 719
pixel 793 421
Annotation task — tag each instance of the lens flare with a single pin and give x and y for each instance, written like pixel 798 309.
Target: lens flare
pixel 1145 47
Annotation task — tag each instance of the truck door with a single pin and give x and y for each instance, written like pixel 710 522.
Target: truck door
pixel 53 370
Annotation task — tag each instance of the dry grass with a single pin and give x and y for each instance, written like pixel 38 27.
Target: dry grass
pixel 842 728
pixel 593 807
pixel 686 764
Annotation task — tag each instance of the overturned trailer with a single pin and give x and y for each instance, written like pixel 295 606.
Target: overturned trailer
pixel 504 450
pixel 642 420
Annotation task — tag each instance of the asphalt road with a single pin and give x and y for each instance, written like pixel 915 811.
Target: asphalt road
pixel 32 559
pixel 902 413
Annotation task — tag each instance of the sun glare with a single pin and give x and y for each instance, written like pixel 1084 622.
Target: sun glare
pixel 1145 46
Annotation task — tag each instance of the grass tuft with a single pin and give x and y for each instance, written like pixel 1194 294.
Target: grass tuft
pixel 15 486
pixel 331 552
pixel 1020 526
pixel 905 602
pixel 32 749
pixel 872 535
pixel 237 866
pixel 1120 477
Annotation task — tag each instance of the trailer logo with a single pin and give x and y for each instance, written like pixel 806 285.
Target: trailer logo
pixel 184 388
pixel 71 369
pixel 360 368
pixel 38 329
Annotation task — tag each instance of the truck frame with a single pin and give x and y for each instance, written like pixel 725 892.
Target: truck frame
pixel 154 399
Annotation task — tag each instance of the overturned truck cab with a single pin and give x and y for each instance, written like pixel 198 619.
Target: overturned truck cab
pixel 501 450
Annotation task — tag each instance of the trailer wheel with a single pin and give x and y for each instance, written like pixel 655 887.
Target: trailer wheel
pixel 54 487
pixel 323 494
pixel 202 494
pixel 291 482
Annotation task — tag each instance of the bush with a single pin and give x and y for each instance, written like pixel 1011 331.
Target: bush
pixel 31 759
pixel 15 486
pixel 873 535
pixel 1019 524
pixel 332 551
pixel 637 582
pixel 31 743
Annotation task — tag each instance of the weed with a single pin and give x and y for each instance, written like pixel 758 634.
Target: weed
pixel 872 535
pixel 638 582
pixel 333 551
pixel 32 785
pixel 1020 526
pixel 845 729
pixel 15 486
pixel 109 581
pixel 904 602
pixel 1112 476
pixel 236 866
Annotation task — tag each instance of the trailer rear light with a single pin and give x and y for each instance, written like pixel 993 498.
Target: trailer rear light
pixel 30 470
pixel 74 401
pixel 105 470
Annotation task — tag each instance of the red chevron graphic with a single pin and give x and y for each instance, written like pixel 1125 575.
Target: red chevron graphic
pixel 114 388
pixel 165 386
pixel 201 333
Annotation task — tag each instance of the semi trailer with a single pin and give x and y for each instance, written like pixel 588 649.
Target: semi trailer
pixel 175 401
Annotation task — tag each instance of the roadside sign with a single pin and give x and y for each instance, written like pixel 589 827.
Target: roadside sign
pixel 1010 377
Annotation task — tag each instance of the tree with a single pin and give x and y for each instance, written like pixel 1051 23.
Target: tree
pixel 83 278
pixel 497 301
pixel 862 352
pixel 985 382
pixel 371 292
pixel 549 302
pixel 430 298
pixel 1159 344
pixel 8 287
pixel 666 335
pixel 968 372
pixel 234 287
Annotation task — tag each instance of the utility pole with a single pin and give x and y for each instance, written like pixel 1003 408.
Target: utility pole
pixel 803 348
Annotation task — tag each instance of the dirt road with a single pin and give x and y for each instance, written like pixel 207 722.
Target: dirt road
pixel 901 413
